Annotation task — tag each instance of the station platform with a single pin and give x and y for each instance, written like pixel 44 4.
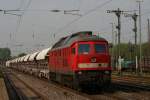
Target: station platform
pixel 3 90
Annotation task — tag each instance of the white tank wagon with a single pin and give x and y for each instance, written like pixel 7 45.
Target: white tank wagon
pixel 13 63
pixel 16 64
pixel 26 64
pixel 42 61
pixel 8 63
pixel 33 64
pixel 21 64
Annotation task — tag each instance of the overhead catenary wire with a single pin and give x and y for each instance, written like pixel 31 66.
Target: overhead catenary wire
pixel 20 17
pixel 70 23
pixel 124 21
pixel 80 4
pixel 145 13
pixel 87 13
pixel 21 4
pixel 19 21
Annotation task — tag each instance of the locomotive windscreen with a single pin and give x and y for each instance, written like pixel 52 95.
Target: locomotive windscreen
pixel 100 48
pixel 84 49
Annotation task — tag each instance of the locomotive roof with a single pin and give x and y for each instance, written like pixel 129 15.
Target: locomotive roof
pixel 80 36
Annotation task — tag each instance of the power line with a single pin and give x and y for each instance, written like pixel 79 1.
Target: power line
pixel 80 4
pixel 98 7
pixel 87 13
pixel 21 4
pixel 19 21
pixel 145 13
pixel 148 26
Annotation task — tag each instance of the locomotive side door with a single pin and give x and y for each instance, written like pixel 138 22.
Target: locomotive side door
pixel 73 57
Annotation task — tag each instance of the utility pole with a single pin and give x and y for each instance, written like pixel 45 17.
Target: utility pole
pixel 112 51
pixel 140 33
pixel 116 35
pixel 115 43
pixel 118 13
pixel 112 25
pixel 148 30
pixel 134 17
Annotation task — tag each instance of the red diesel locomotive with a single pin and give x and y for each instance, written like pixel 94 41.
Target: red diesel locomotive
pixel 81 59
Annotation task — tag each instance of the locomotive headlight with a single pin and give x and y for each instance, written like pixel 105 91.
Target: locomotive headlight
pixel 106 72
pixel 79 72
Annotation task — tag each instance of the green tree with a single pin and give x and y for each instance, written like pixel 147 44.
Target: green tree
pixel 128 50
pixel 5 53
pixel 146 49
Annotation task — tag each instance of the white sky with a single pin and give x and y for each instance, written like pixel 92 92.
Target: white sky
pixel 44 24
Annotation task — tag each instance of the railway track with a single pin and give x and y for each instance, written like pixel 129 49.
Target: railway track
pixel 19 90
pixel 132 86
pixel 50 91
pixel 133 75
pixel 11 89
pixel 132 82
pixel 66 93
pixel 54 91
pixel 122 92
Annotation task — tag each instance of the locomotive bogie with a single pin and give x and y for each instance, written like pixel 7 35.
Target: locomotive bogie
pixel 86 77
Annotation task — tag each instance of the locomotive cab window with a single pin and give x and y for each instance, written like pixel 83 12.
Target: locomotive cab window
pixel 84 49
pixel 100 48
